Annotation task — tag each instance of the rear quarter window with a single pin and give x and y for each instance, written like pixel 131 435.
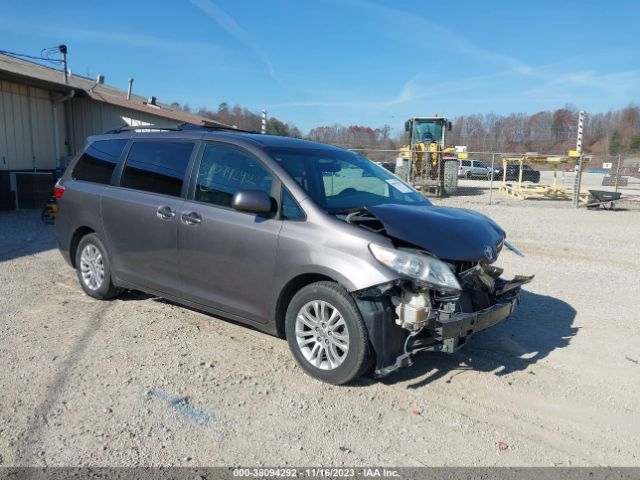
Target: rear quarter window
pixel 99 161
pixel 157 167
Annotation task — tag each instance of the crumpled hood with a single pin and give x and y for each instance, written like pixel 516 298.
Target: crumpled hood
pixel 448 233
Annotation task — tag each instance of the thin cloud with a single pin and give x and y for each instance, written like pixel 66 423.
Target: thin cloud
pixel 229 24
pixel 101 36
pixel 548 74
pixel 551 79
pixel 615 81
pixel 413 89
pixel 413 22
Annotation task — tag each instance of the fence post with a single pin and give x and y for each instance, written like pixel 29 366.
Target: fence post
pixel 618 171
pixel 493 169
pixel 440 185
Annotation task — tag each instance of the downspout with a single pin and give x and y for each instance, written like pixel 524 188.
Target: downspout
pixel 56 128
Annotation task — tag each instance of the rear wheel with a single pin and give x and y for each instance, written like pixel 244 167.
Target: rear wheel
pixel 94 269
pixel 45 215
pixel 326 333
pixel 467 175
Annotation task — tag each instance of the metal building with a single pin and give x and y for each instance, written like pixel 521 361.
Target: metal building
pixel 44 121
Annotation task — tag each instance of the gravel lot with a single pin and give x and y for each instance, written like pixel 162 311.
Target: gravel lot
pixel 139 381
pixel 476 191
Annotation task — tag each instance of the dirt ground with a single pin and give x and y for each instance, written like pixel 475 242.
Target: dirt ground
pixel 139 381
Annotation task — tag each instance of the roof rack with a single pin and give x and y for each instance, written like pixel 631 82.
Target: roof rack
pixel 134 128
pixel 192 126
pixel 176 128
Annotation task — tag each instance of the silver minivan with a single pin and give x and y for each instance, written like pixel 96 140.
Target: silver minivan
pixel 313 243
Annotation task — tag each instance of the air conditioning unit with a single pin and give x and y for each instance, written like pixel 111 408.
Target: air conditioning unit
pixel 31 189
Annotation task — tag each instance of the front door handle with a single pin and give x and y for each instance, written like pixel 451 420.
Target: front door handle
pixel 191 218
pixel 164 212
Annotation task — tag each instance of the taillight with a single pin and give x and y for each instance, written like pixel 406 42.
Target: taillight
pixel 58 191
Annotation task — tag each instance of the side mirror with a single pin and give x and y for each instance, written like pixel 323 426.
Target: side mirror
pixel 449 126
pixel 252 201
pixel 407 126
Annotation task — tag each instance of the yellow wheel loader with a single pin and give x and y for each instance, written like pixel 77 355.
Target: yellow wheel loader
pixel 425 161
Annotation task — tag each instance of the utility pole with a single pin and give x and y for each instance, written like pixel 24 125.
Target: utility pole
pixel 578 179
pixel 264 121
pixel 63 51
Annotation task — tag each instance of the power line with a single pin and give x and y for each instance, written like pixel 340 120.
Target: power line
pixel 48 51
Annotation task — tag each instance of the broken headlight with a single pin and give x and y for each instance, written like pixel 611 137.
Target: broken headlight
pixel 422 268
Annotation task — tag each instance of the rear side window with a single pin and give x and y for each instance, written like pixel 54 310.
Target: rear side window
pixel 99 161
pixel 157 167
pixel 224 171
pixel 466 163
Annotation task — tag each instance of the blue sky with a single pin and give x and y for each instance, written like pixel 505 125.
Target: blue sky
pixel 362 62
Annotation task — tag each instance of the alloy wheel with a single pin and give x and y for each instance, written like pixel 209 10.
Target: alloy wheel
pixel 322 335
pixel 92 267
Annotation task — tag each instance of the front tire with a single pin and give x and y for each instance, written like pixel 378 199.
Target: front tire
pixel 94 269
pixel 326 334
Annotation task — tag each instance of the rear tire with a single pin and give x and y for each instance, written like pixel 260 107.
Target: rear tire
pixel 94 269
pixel 326 334
pixel 45 215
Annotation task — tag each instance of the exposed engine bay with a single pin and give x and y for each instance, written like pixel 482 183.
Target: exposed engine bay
pixel 433 312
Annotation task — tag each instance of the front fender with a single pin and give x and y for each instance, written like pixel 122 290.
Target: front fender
pixel 342 257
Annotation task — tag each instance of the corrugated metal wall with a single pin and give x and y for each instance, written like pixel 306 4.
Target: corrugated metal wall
pixel 90 118
pixel 27 128
pixel 28 131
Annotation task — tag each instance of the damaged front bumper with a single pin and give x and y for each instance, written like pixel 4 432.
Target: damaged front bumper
pixel 455 331
pixel 444 331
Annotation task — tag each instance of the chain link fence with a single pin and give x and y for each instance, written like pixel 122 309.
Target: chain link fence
pixel 495 177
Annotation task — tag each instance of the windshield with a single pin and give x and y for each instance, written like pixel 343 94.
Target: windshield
pixel 427 131
pixel 340 180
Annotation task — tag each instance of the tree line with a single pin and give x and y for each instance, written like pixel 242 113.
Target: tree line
pixel 242 118
pixel 610 133
pixel 554 132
